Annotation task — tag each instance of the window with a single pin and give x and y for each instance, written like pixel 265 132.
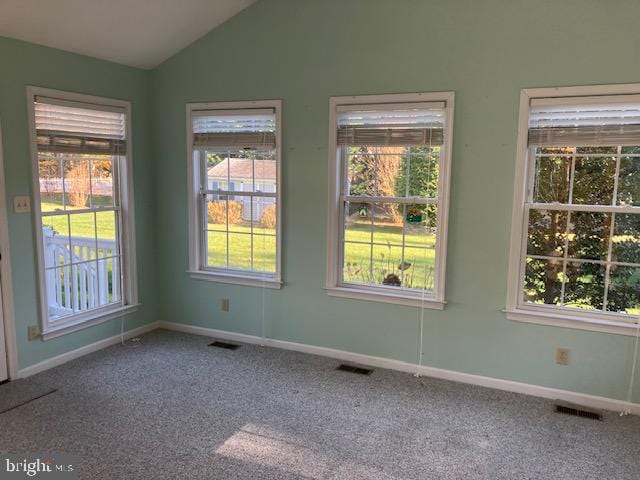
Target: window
pixel 577 244
pixel 234 151
pixel 81 150
pixel 389 161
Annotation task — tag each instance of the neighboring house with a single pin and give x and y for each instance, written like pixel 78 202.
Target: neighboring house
pixel 240 174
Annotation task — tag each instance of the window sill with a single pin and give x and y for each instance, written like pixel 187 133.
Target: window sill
pixel 398 299
pixel 246 280
pixel 87 320
pixel 619 327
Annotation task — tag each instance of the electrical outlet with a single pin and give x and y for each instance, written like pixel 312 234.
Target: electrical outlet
pixel 224 305
pixel 562 356
pixel 21 204
pixel 33 332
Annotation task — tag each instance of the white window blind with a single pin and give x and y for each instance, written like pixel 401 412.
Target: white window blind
pixel 65 127
pixel 243 129
pixel 399 125
pixel 585 121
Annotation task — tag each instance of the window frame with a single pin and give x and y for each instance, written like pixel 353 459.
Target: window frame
pixel 516 309
pixel 335 222
pixel 222 275
pixel 129 302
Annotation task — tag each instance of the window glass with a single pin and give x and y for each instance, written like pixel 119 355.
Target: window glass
pixel 238 191
pixel 391 162
pixel 79 151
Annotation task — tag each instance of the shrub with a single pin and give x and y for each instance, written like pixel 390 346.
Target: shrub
pixel 217 212
pixel 268 217
pixel 78 184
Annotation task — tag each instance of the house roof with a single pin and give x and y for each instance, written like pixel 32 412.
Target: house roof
pixel 242 168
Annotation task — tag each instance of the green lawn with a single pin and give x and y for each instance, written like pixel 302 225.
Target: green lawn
pixel 366 264
pixel 264 247
pixel 82 224
pixel 387 251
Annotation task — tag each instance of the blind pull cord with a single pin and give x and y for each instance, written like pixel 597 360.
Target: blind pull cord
pixel 632 377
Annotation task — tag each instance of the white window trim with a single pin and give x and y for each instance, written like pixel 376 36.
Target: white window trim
pixel 333 286
pixel 130 288
pixel 254 279
pixel 549 315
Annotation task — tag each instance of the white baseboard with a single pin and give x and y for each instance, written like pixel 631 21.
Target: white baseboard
pixel 587 400
pixel 592 401
pixel 79 352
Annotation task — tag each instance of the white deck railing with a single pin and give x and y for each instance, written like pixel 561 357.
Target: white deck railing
pixel 83 268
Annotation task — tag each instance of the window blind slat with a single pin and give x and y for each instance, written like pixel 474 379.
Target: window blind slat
pixel 57 143
pixel 258 140
pixel 381 107
pixel 79 122
pixel 596 122
pixel 590 136
pixel 235 129
pixel 390 136
pixel 403 126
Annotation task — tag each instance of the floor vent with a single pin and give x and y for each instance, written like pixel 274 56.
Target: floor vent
pixel 228 346
pixel 578 411
pixel 351 369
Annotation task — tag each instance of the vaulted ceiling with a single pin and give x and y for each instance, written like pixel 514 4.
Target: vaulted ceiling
pixel 139 33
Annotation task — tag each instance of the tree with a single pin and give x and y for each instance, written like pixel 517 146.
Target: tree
pixel 584 235
pixel 422 166
pixel 373 171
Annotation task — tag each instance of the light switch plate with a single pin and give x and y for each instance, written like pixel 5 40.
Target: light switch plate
pixel 562 356
pixel 224 304
pixel 33 332
pixel 21 204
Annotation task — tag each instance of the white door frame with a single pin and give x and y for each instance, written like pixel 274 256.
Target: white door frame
pixel 5 277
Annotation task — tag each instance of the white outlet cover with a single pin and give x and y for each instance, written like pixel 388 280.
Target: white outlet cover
pixel 21 204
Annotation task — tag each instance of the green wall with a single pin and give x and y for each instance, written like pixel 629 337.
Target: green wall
pixel 25 64
pixel 303 51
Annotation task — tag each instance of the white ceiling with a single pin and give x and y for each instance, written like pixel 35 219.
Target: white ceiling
pixel 140 33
